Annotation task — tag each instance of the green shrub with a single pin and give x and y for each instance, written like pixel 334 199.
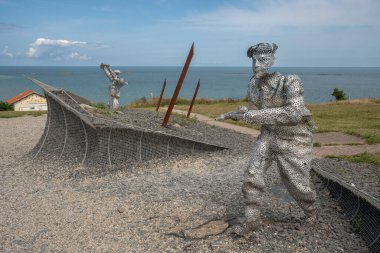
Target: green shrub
pixel 99 105
pixel 339 94
pixel 4 106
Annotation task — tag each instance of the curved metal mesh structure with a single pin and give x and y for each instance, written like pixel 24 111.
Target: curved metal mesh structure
pixel 362 209
pixel 73 134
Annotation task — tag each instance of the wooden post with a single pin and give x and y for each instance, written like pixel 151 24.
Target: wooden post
pixel 162 93
pixel 178 87
pixel 193 100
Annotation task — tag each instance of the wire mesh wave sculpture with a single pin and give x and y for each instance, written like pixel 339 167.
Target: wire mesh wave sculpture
pixel 73 134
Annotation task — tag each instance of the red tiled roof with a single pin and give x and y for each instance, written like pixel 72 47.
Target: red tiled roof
pixel 19 97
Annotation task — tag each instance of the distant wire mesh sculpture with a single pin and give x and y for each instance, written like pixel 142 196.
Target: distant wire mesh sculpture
pixel 116 83
pixel 73 134
pixel 361 208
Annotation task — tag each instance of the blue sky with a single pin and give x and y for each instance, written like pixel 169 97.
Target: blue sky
pixel 160 32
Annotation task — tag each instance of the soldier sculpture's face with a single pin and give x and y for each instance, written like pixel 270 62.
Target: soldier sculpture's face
pixel 262 62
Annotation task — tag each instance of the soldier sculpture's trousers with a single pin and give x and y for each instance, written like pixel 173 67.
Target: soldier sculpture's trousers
pixel 293 157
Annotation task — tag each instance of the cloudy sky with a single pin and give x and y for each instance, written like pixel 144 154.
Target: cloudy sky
pixel 160 32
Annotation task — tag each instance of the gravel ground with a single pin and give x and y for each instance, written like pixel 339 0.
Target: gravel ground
pixel 361 175
pixel 167 205
pixel 182 126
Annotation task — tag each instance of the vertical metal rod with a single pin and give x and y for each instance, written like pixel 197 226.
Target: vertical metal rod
pixel 86 140
pixel 66 131
pixel 108 147
pixel 194 96
pixel 178 87
pixel 162 93
pixel 47 127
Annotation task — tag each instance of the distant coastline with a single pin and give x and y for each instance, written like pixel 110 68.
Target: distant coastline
pixel 216 82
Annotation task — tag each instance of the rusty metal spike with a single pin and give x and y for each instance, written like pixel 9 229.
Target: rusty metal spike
pixel 178 87
pixel 194 96
pixel 162 93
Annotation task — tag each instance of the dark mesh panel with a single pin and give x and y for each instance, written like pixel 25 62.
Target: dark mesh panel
pixel 92 149
pixel 103 156
pixel 35 151
pixel 54 142
pixel 153 146
pixel 75 143
pixel 124 146
pixel 178 147
pixel 360 208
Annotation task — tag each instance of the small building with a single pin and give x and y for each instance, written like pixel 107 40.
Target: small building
pixel 28 101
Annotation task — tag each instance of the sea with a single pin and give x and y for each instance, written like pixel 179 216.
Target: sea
pixel 216 82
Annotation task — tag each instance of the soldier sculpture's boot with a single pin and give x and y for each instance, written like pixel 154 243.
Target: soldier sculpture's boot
pixel 311 216
pixel 247 224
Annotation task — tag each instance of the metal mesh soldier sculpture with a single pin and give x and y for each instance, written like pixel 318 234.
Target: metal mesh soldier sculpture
pixel 114 88
pixel 285 138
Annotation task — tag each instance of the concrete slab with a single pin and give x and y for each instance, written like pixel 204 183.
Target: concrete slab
pixel 337 138
pixel 333 143
pixel 213 122
pixel 320 152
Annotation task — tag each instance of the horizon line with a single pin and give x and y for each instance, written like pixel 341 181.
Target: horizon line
pixel 197 66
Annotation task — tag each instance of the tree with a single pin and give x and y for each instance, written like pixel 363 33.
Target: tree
pixel 339 94
pixel 4 106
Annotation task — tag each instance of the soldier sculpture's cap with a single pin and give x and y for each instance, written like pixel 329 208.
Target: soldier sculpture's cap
pixel 262 48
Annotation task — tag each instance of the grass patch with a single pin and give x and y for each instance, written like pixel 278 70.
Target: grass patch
pixel 145 103
pixel 100 108
pixel 99 105
pixel 182 119
pixel 14 114
pixel 360 118
pixel 357 117
pixel 361 158
pixel 217 108
pixel 213 110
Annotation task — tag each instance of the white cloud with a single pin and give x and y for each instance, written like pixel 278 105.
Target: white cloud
pixel 77 56
pixel 7 53
pixel 42 45
pixel 57 49
pixel 309 33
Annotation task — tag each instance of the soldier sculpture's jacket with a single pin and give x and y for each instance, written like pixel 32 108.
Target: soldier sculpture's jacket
pixel 279 104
